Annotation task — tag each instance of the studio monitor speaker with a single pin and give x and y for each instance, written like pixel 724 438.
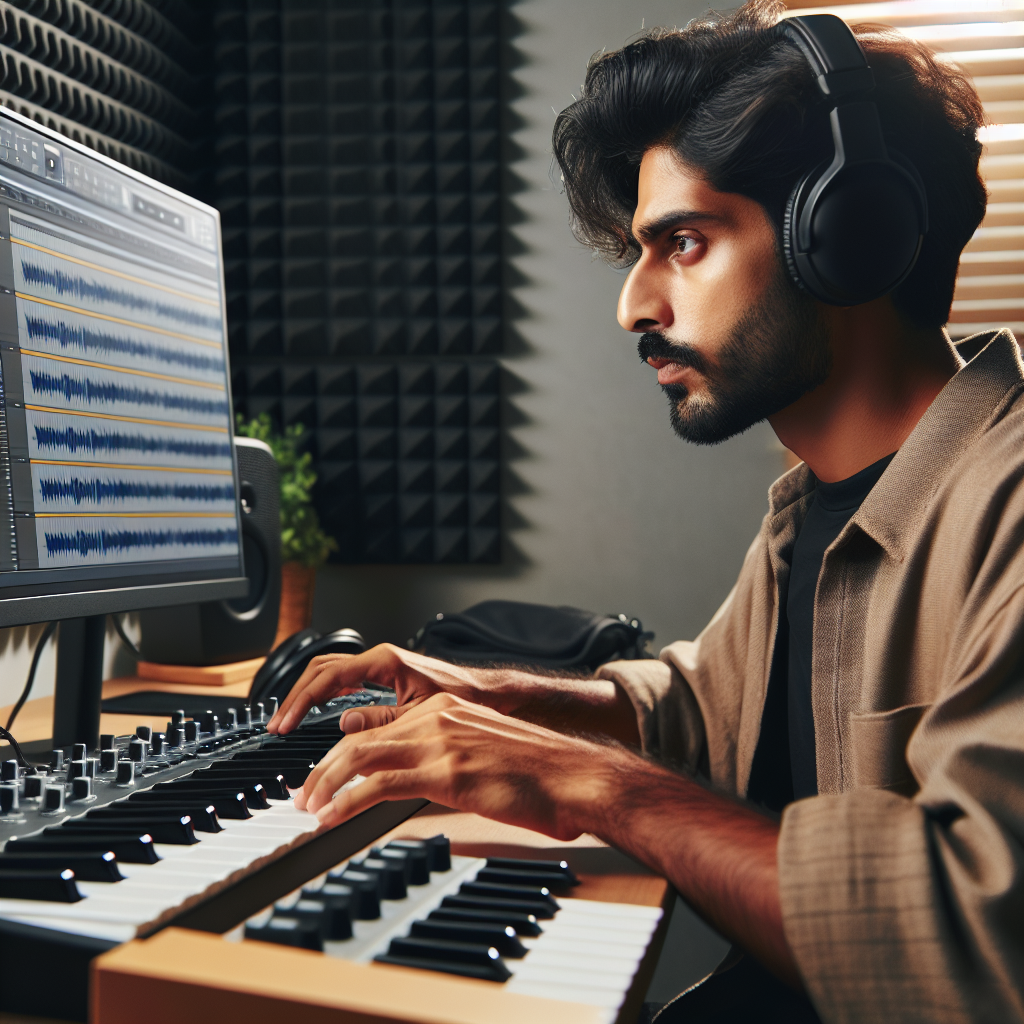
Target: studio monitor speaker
pixel 218 632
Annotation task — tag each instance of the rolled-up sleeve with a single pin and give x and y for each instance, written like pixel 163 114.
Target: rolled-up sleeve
pixel 667 715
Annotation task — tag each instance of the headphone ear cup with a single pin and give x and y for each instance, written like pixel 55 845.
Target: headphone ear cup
pixel 790 224
pixel 865 228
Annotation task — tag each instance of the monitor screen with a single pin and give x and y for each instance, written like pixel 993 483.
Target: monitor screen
pixel 117 475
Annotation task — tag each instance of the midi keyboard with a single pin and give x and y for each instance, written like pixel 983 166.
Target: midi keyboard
pixel 411 904
pixel 193 827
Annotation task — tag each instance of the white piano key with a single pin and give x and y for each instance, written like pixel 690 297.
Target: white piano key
pixel 95 929
pixel 605 976
pixel 582 957
pixel 96 909
pixel 568 992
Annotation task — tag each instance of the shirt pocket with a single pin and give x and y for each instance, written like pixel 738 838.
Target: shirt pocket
pixel 878 741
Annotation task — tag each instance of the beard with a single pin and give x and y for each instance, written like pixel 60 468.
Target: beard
pixel 777 352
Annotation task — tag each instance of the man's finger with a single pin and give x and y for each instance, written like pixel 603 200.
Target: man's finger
pixel 318 670
pixel 317 684
pixel 399 784
pixel 360 719
pixel 357 758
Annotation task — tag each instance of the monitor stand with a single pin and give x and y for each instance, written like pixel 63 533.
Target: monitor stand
pixel 79 683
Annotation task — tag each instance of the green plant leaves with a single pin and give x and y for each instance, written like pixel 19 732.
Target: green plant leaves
pixel 302 539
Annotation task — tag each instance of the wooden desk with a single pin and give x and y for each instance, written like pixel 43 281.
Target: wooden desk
pixel 262 984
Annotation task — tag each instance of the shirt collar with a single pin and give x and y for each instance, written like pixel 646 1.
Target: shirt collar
pixel 962 411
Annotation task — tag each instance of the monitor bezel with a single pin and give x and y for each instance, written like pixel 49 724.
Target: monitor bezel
pixel 104 599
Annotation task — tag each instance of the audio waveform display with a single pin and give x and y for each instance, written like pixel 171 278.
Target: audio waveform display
pixel 96 541
pixel 53 436
pixel 75 389
pixel 89 290
pixel 94 251
pixel 100 492
pixel 62 334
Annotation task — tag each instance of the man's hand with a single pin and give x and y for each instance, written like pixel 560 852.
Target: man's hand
pixel 413 677
pixel 466 756
pixel 580 705
pixel 718 852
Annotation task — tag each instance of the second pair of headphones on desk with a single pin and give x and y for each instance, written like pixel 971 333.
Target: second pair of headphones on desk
pixel 853 227
pixel 286 663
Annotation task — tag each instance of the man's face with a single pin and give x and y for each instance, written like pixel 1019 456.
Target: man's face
pixel 732 338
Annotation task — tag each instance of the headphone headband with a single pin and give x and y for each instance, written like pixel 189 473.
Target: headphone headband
pixel 833 52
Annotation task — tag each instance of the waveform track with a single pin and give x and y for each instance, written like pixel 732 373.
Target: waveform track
pixel 98 492
pixel 89 542
pixel 106 442
pixel 90 341
pixel 83 289
pixel 106 392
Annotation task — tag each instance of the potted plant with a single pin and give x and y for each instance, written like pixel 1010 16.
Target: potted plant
pixel 304 545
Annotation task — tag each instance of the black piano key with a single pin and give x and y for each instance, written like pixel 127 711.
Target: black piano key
pixel 507 876
pixel 331 892
pixel 255 795
pixel 439 852
pixel 175 830
pixel 275 783
pixel 524 924
pixel 128 849
pixel 333 918
pixel 365 897
pixel 559 867
pixel 55 886
pixel 390 876
pixel 269 758
pixel 495 890
pixel 295 772
pixel 203 815
pixel 287 931
pixel 415 857
pixel 229 804
pixel 542 911
pixel 463 958
pixel 88 865
pixel 501 936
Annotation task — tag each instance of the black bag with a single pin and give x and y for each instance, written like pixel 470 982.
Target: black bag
pixel 511 632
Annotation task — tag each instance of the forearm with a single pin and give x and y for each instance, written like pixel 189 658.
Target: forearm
pixel 719 853
pixel 597 707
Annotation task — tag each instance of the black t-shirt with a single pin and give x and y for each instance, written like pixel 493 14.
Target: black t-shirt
pixel 832 506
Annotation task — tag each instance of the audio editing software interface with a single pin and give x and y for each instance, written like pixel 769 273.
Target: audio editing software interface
pixel 115 432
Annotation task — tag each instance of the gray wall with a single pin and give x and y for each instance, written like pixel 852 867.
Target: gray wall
pixel 606 509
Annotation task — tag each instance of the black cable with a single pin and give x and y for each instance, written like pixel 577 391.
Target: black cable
pixel 5 735
pixel 119 626
pixel 40 644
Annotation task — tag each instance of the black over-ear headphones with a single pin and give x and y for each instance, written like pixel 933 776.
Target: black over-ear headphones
pixel 853 227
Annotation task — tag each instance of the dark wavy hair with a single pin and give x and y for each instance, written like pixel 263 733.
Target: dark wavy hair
pixel 737 100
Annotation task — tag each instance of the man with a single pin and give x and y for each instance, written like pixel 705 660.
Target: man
pixel 865 678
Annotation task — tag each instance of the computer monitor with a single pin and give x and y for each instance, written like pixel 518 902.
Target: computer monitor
pixel 117 474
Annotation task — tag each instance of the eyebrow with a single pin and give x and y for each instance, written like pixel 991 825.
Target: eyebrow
pixel 653 229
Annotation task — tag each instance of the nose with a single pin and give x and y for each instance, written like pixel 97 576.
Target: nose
pixel 643 305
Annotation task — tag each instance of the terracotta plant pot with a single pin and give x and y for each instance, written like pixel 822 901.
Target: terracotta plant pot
pixel 297 585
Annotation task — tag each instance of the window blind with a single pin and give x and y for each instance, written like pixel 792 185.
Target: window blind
pixel 986 38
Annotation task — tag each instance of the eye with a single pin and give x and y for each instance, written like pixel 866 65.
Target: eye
pixel 687 244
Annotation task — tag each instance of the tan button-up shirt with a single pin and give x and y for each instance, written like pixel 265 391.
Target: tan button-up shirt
pixel 902 882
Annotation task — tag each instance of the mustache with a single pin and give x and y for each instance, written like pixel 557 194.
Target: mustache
pixel 654 345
